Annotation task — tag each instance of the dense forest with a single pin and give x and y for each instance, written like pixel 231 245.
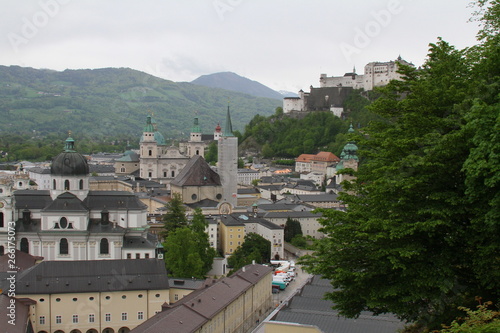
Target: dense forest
pixel 282 136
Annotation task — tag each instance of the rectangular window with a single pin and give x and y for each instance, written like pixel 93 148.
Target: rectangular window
pixel 146 255
pixel 75 319
pixel 58 319
pixel 91 318
pixel 124 316
pixel 140 315
pixel 129 255
pixel 107 317
pixel 176 297
pixel 137 256
pixel 42 320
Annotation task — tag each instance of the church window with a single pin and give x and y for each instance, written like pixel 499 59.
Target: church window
pixel 104 246
pixel 81 184
pixel 1 220
pixel 164 174
pixel 173 174
pixel 122 170
pixel 219 196
pixel 150 174
pixel 194 196
pixel 66 185
pixel 150 152
pixel 197 152
pixel 63 222
pixel 63 246
pixel 54 184
pixel 25 246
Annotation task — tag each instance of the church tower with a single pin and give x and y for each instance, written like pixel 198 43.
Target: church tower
pixel 228 162
pixel 149 143
pixel 195 144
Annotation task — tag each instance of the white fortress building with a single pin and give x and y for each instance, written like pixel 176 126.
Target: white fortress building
pixel 333 89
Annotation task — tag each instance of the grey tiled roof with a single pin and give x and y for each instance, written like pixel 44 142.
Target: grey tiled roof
pixel 67 202
pixel 32 199
pixel 53 277
pixel 197 172
pixel 137 242
pixel 197 308
pixel 310 308
pixel 98 200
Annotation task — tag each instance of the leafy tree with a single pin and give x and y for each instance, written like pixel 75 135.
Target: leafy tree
pixel 482 320
pixel 211 155
pixel 187 249
pixel 254 247
pixel 421 232
pixel 299 241
pixel 199 227
pixel 175 216
pixel 292 229
pixel 241 163
pixel 182 257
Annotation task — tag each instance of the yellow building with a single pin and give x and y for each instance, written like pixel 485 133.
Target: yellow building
pixel 93 296
pixel 231 234
pixel 233 304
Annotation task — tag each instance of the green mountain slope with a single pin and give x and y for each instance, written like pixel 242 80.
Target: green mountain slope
pixel 114 101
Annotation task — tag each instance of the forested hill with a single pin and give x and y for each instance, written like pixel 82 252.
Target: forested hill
pixel 111 102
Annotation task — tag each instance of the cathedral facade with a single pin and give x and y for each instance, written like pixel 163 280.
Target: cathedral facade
pixel 71 222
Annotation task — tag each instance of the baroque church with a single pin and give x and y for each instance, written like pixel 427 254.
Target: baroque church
pixel 71 222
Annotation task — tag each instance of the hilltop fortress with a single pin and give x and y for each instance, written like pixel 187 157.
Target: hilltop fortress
pixel 333 90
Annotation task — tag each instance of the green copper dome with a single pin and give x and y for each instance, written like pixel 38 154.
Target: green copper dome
pixel 69 162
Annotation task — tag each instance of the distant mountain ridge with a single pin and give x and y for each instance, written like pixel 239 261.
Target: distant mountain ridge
pixel 234 82
pixel 111 101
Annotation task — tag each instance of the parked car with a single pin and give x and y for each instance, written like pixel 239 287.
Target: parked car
pixel 280 284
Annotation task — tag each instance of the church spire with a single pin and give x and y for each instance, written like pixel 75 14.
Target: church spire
pixel 228 129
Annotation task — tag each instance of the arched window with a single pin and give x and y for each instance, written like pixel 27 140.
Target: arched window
pixel 197 152
pixel 150 153
pixel 81 184
pixel 63 222
pixel 66 185
pixel 1 220
pixel 63 246
pixel 173 173
pixel 25 246
pixel 104 246
pixel 54 184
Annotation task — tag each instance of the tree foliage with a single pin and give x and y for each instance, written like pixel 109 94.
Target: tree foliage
pixel 254 248
pixel 292 229
pixel 175 216
pixel 421 233
pixel 181 254
pixel 187 249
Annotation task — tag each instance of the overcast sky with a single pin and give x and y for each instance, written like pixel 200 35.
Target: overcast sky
pixel 284 44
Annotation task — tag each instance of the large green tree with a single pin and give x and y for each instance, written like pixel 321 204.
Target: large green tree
pixel 421 232
pixel 182 257
pixel 254 248
pixel 199 227
pixel 175 216
pixel 187 249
